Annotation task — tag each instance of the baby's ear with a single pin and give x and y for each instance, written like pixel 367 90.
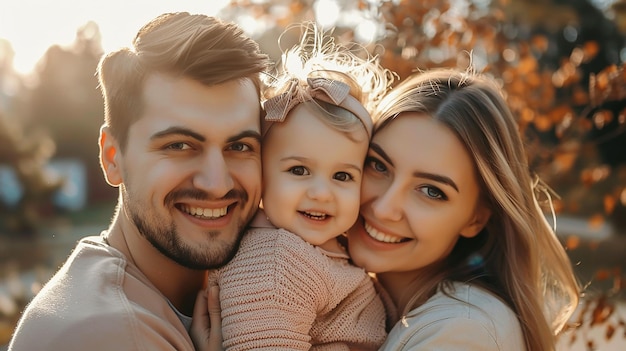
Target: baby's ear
pixel 110 158
pixel 478 222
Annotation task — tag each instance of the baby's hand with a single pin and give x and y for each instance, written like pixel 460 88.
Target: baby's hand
pixel 206 325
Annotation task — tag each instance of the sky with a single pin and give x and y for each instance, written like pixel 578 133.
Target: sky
pixel 32 26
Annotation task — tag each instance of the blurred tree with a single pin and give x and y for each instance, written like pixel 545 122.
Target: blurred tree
pixel 67 103
pixel 26 154
pixel 22 154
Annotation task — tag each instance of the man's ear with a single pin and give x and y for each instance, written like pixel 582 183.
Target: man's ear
pixel 478 222
pixel 110 157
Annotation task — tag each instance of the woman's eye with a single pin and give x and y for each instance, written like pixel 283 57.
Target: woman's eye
pixel 298 170
pixel 343 176
pixel 241 147
pixel 433 192
pixel 178 146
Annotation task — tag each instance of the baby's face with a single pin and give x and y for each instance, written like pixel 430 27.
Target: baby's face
pixel 312 176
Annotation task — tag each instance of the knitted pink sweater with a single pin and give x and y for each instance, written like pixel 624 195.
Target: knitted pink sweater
pixel 281 293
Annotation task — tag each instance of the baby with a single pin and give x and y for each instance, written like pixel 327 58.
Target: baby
pixel 291 285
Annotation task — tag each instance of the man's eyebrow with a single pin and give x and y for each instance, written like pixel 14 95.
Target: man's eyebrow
pixel 177 131
pixel 190 133
pixel 246 134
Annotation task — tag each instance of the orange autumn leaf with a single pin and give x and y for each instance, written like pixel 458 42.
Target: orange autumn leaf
pixel 540 42
pixel 585 124
pixel 602 274
pixel 602 311
pixel 586 177
pixel 609 204
pixel 596 221
pixel 543 123
pixel 572 242
pixel 602 118
pixel 558 113
pixel 591 49
pixel 610 331
pixel 621 117
pixel 527 114
pixel 580 96
pixel 564 161
pixel 527 65
pixel 600 81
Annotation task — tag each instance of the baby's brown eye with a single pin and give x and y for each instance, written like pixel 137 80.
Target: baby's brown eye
pixel 343 176
pixel 298 170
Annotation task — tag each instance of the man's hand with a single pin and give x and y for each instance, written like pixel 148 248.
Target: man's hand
pixel 206 325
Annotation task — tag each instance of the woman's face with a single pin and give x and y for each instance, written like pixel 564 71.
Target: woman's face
pixel 419 194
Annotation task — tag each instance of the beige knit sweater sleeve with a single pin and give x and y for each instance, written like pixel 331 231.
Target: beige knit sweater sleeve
pixel 272 291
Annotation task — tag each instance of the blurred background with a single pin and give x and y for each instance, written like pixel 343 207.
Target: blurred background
pixel 560 63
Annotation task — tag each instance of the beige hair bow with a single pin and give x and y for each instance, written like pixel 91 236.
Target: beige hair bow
pixel 329 90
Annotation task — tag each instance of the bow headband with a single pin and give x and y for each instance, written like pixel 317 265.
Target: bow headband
pixel 332 91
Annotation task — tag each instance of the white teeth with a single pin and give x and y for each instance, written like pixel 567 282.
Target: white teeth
pixel 380 236
pixel 210 213
pixel 315 215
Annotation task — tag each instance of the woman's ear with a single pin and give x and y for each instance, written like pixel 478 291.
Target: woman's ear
pixel 478 222
pixel 110 157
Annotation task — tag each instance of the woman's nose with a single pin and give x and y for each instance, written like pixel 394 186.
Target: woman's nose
pixel 388 206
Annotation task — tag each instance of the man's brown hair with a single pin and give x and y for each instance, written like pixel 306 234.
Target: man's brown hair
pixel 194 46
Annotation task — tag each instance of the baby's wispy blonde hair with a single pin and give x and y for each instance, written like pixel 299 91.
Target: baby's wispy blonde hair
pixel 318 53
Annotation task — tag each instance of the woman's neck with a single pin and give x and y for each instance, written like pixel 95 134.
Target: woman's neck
pixel 398 286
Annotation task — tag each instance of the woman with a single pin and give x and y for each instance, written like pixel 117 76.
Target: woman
pixel 451 226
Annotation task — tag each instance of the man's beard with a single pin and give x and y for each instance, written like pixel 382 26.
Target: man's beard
pixel 166 238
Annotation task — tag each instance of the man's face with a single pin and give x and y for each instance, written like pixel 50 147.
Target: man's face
pixel 191 172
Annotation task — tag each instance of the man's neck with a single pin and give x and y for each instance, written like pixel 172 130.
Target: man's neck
pixel 177 283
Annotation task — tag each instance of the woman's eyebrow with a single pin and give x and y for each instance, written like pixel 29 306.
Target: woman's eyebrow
pixel 379 150
pixel 438 178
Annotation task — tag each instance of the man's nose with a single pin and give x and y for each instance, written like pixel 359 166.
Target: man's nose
pixel 213 175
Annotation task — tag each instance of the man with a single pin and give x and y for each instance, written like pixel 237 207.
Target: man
pixel 181 141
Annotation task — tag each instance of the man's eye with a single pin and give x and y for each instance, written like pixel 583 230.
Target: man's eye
pixel 241 147
pixel 178 146
pixel 298 170
pixel 343 176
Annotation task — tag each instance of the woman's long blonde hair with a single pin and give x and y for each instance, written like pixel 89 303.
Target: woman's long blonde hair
pixel 517 256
